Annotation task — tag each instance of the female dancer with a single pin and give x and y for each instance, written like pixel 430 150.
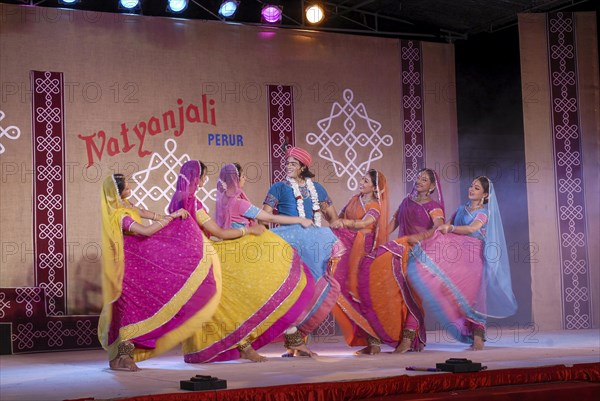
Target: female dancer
pixel 387 302
pixel 265 288
pixel 361 227
pixel 160 282
pixel 298 195
pixel 462 272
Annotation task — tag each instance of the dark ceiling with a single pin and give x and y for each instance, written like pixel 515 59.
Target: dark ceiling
pixel 435 20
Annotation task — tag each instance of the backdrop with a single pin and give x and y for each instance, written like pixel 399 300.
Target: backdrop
pixel 559 75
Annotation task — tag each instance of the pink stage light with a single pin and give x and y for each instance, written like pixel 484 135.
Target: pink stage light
pixel 271 14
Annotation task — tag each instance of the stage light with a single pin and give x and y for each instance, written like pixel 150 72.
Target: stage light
pixel 129 4
pixel 271 13
pixel 228 8
pixel 70 2
pixel 177 6
pixel 314 14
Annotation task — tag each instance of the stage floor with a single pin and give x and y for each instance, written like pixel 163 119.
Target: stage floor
pixel 83 374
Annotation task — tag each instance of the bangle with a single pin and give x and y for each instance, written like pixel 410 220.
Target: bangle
pixel 154 218
pixel 243 230
pixel 452 229
pixel 161 224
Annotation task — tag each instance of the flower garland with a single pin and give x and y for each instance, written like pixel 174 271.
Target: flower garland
pixel 313 197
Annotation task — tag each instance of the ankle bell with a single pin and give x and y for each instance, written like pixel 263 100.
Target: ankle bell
pixel 244 345
pixel 293 340
pixel 125 348
pixel 374 341
pixel 479 332
pixel 408 334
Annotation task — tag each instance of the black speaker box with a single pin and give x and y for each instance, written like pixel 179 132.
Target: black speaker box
pixel 200 382
pixel 459 365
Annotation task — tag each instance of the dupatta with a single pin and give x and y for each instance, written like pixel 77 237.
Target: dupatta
pixel 500 299
pixel 355 210
pixel 228 192
pixel 113 209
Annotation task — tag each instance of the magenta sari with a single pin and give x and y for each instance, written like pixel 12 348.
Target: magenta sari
pixel 168 292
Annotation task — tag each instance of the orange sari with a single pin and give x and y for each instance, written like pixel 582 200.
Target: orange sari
pixel 347 311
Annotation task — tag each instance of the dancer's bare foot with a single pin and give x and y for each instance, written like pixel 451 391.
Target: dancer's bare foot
pixel 408 336
pixel 302 350
pixel 403 347
pixel 289 353
pixel 251 354
pixel 123 362
pixel 369 350
pixel 477 343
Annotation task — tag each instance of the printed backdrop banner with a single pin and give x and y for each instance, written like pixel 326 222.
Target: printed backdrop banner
pixel 105 112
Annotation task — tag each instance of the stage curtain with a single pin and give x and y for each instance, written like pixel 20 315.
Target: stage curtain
pixel 387 387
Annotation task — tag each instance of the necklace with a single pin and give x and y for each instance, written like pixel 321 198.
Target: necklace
pixel 420 199
pixel 363 200
pixel 471 208
pixel 300 200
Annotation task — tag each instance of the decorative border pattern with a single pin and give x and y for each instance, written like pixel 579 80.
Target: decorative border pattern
pixel 49 189
pixel 281 128
pixel 413 121
pixel 568 167
pixel 11 132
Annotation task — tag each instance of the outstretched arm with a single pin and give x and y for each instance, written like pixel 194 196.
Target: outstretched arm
pixel 147 214
pixel 148 230
pixel 463 230
pixel 267 217
pixel 268 209
pixel 329 212
pixel 354 224
pixel 231 233
pixel 437 222
pixel 393 224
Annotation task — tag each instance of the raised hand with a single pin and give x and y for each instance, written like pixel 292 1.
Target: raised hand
pixel 339 223
pixel 306 222
pixel 181 213
pixel 256 229
pixel 445 228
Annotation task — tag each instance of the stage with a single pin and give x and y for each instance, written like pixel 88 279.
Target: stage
pixel 84 374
